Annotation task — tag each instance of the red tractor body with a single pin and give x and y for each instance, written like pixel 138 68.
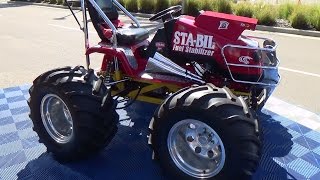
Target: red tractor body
pixel 209 78
pixel 212 40
pixel 208 33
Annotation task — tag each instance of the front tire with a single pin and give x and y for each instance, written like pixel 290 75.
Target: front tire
pixel 67 117
pixel 205 132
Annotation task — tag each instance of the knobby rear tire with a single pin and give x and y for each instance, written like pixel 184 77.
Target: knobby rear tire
pixel 94 127
pixel 225 113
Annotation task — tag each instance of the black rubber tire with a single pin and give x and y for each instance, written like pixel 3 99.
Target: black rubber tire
pixel 93 126
pixel 227 114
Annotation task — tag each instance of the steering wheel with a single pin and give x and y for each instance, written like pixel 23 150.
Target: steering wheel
pixel 170 11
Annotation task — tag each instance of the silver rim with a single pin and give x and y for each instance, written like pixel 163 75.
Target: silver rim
pixel 196 148
pixel 56 118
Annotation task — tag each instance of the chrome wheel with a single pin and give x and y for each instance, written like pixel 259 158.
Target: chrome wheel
pixel 56 118
pixel 196 148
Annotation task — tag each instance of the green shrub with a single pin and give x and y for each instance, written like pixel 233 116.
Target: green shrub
pixel 122 2
pixel 52 1
pixel 316 23
pixel 192 7
pixel 161 5
pixel 244 9
pixel 132 5
pixel 75 4
pixel 147 6
pixel 60 2
pixel 175 2
pixel 285 10
pixel 207 5
pixel 299 19
pixel 265 14
pixel 224 6
pixel 314 15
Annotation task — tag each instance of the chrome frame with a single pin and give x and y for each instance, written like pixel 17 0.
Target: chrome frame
pixel 106 20
pixel 85 30
pixel 162 62
pixel 170 63
pixel 184 74
pixel 251 66
pixel 135 20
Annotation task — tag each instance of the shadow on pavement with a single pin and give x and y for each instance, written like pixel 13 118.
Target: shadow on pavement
pixel 277 144
pixel 64 17
pixel 129 157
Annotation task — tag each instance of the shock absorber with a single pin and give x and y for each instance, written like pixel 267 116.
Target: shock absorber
pixel 102 76
pixel 97 85
pixel 117 74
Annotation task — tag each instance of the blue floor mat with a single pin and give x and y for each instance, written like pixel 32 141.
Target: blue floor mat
pixel 290 151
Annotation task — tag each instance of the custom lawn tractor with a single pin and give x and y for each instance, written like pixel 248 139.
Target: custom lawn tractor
pixel 208 79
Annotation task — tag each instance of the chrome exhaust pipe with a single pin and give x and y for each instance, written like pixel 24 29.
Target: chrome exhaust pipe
pixel 170 63
pixel 156 66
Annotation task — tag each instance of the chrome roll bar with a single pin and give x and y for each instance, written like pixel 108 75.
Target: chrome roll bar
pixel 105 19
pixel 263 67
pixel 85 30
pixel 127 13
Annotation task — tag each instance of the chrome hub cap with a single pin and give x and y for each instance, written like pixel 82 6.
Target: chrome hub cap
pixel 56 118
pixel 196 148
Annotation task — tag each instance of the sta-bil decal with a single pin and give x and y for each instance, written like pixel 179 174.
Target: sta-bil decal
pixel 188 43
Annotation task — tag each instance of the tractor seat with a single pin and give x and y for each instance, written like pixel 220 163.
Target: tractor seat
pixel 130 36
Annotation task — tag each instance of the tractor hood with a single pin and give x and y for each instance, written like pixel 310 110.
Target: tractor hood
pixel 226 25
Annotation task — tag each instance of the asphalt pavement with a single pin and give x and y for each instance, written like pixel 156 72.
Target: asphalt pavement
pixel 35 39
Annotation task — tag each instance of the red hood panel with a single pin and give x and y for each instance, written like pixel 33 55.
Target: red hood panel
pixel 227 25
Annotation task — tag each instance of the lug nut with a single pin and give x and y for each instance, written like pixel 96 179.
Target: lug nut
pixel 198 150
pixel 190 138
pixel 211 135
pixel 210 154
pixel 204 130
pixel 192 126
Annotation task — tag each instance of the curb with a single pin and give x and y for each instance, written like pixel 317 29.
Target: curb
pixel 143 15
pixel 288 31
pixel 139 14
pixel 261 28
pixel 43 5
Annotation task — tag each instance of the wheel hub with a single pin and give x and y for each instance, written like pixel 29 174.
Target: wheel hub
pixel 56 118
pixel 196 148
pixel 203 140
